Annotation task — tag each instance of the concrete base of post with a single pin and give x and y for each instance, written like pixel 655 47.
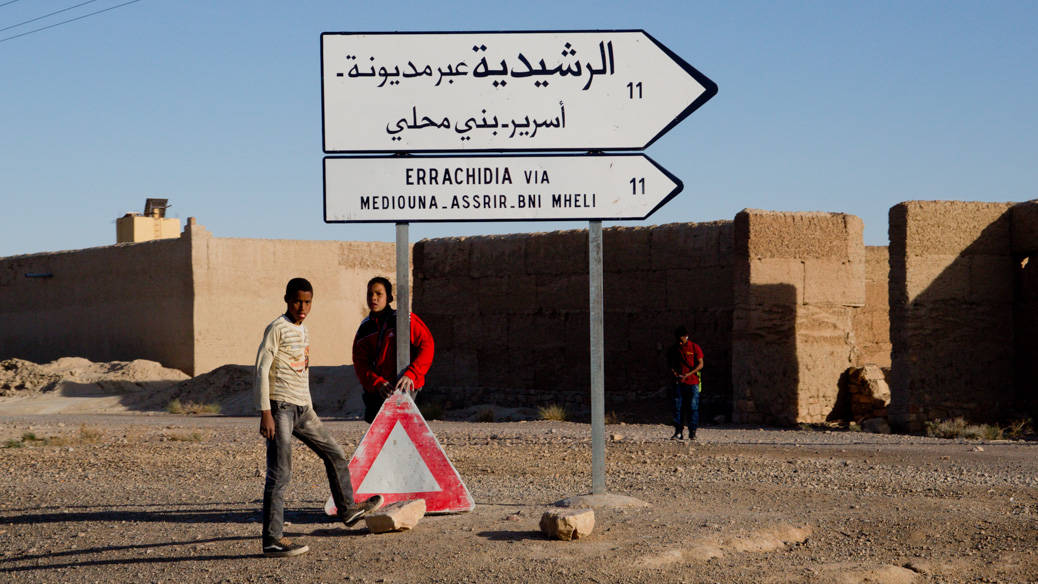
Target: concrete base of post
pixel 601 501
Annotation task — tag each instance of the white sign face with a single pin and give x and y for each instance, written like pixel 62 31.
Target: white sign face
pixel 414 92
pixel 494 188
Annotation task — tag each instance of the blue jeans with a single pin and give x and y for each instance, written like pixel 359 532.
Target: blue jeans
pixel 686 407
pixel 303 423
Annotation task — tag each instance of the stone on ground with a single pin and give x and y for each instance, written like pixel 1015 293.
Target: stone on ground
pixel 398 516
pixel 568 524
pixel 876 426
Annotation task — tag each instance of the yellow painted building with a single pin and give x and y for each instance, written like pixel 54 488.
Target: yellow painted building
pixel 152 224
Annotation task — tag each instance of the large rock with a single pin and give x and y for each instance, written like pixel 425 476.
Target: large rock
pixel 396 517
pixel 567 524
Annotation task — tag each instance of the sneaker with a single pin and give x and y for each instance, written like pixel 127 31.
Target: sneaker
pixel 353 513
pixel 283 548
pixel 677 436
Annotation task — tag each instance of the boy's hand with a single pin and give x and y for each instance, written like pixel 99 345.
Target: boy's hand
pixel 267 425
pixel 404 384
pixel 384 389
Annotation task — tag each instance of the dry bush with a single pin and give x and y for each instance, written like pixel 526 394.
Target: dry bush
pixel 86 435
pixel 960 428
pixel 89 435
pixel 1019 429
pixel 553 412
pixel 175 406
pixel 194 436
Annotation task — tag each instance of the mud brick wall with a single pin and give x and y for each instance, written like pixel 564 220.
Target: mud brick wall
pixel 229 317
pixel 952 311
pixel 1024 223
pixel 799 278
pixel 872 322
pixel 194 303
pixel 120 302
pixel 510 316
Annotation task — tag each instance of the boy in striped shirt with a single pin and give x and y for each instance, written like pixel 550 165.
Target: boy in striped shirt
pixel 282 390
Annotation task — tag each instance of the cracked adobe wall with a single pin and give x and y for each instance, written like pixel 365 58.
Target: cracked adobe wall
pixel 872 322
pixel 1024 222
pixel 952 311
pixel 799 280
pixel 510 315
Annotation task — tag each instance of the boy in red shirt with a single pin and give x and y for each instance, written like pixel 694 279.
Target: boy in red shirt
pixel 686 361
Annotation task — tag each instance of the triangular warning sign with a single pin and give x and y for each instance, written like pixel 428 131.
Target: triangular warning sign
pixel 400 459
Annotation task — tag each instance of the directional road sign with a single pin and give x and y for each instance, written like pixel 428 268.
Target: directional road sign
pixel 494 188
pixel 498 91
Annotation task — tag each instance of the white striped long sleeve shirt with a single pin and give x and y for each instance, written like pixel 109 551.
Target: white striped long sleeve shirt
pixel 283 365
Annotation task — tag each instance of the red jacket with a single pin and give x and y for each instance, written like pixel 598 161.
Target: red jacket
pixel 374 351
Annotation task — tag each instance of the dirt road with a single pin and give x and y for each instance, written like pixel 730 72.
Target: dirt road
pixel 162 498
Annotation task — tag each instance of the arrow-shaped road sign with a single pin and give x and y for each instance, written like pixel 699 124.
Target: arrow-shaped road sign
pixel 578 90
pixel 494 188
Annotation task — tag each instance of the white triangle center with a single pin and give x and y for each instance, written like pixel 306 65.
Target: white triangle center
pixel 399 468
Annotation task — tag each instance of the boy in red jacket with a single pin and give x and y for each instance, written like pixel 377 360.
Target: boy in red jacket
pixel 374 350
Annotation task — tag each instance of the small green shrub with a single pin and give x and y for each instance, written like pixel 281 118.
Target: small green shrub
pixel 13 443
pixel 553 412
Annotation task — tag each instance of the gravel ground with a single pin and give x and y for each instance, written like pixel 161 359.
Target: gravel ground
pixel 163 498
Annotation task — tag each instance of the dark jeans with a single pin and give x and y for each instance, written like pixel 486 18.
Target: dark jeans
pixel 686 407
pixel 303 423
pixel 372 404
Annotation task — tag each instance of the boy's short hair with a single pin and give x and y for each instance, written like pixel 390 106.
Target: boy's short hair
pixel 297 285
pixel 681 331
pixel 385 284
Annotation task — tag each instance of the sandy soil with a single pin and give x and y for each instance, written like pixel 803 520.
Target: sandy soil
pixel 163 498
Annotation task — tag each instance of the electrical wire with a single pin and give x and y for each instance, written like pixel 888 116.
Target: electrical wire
pixel 47 15
pixel 9 2
pixel 3 40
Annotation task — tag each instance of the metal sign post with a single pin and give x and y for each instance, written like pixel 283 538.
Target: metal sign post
pixel 594 232
pixel 403 297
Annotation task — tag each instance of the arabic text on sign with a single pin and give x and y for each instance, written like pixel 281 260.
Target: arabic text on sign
pixel 569 66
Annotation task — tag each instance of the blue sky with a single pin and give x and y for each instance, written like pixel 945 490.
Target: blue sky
pixel 822 106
